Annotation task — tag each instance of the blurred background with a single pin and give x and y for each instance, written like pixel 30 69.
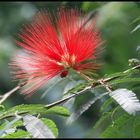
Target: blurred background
pixel 116 21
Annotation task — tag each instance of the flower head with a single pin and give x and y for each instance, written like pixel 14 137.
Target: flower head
pixel 52 48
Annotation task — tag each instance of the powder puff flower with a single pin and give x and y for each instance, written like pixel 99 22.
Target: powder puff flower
pixel 54 45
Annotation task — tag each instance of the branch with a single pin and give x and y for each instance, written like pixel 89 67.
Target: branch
pixel 114 77
pixel 94 84
pixel 6 95
pixel 69 97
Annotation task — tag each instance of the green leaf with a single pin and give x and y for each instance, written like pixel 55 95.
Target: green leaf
pixel 122 74
pixel 127 99
pixel 36 127
pixel 77 88
pixel 117 74
pixel 122 128
pixel 125 80
pixel 2 108
pixel 106 104
pixel 136 129
pixel 106 119
pixel 8 125
pixel 71 84
pixel 76 114
pixel 136 28
pixel 103 122
pixel 17 123
pixel 18 134
pixel 59 110
pixel 51 125
pixel 34 109
pixel 3 125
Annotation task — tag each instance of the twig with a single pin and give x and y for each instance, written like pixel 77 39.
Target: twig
pixel 114 77
pixel 67 98
pixel 94 84
pixel 85 77
pixel 6 95
pixel 109 88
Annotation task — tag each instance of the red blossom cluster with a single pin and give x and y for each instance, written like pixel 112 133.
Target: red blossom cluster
pixel 53 46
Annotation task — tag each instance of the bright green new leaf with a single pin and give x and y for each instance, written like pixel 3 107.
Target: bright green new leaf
pixel 51 125
pixel 34 109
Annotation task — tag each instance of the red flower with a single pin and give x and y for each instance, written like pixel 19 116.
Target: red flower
pixel 52 48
